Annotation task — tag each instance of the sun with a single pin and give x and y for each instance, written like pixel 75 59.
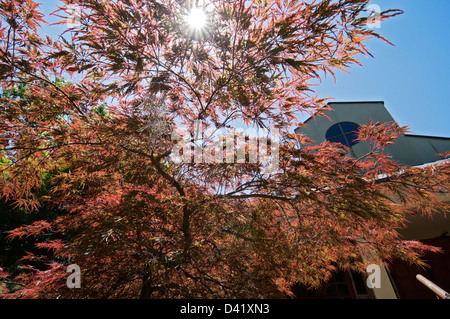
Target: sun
pixel 197 18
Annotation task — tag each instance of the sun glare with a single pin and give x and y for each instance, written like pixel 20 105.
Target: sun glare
pixel 196 18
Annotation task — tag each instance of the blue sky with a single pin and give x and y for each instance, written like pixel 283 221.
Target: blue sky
pixel 412 77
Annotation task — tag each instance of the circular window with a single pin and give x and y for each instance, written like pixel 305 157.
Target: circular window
pixel 345 133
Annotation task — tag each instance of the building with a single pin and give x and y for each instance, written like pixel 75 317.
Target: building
pixel 399 281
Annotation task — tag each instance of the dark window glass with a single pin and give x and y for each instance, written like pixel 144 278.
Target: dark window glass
pixel 339 139
pixel 334 131
pixel 345 133
pixel 339 277
pixel 348 126
pixel 360 284
pixel 331 290
pixel 343 290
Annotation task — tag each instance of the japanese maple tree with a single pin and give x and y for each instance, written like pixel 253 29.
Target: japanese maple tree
pixel 140 223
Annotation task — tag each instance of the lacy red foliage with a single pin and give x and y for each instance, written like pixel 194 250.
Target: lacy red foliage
pixel 142 225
